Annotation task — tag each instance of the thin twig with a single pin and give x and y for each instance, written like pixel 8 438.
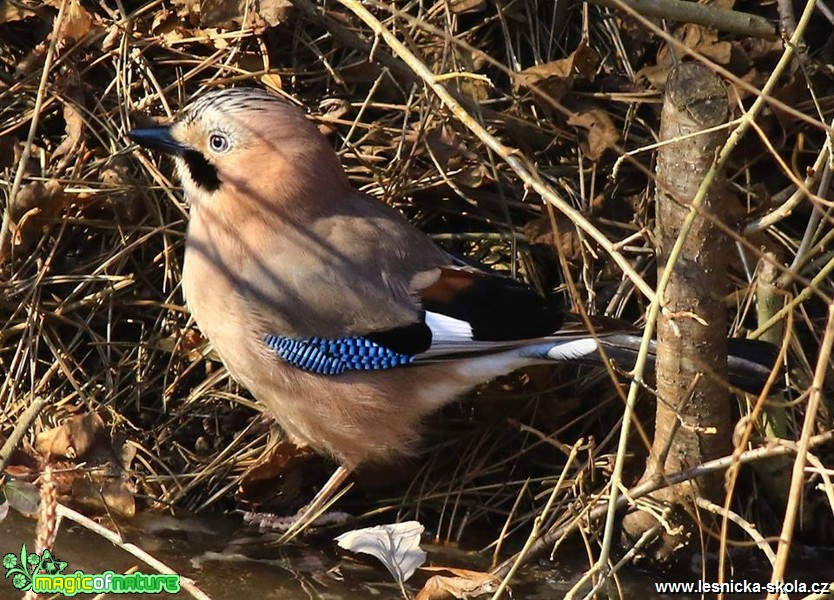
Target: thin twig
pixel 537 523
pixel 24 422
pixel 732 21
pixel 6 228
pixel 782 448
pixel 516 161
pixel 654 308
pixel 136 551
pixel 798 475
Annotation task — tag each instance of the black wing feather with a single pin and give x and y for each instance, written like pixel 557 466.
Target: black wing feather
pixel 499 309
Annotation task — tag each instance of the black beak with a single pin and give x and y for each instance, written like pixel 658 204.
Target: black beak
pixel 157 138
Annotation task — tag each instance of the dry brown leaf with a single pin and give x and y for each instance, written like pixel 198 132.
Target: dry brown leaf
pixel 719 52
pixel 104 495
pixel 459 7
pixel 102 484
pixel 75 437
pixel 556 77
pixel 477 88
pixel 445 145
pixel 74 128
pixel 127 205
pixel 463 585
pixel 77 22
pixel 274 12
pixel 259 483
pixel 602 134
pixel 272 81
pixel 563 238
pixel 12 11
pixel 230 13
pixel 23 219
pixel 473 177
pixel 655 74
pixel 700 39
pixel 160 18
pixel 38 199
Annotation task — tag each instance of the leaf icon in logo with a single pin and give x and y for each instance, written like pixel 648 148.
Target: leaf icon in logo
pixel 52 565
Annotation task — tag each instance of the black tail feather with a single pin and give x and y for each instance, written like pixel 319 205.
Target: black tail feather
pixel 749 362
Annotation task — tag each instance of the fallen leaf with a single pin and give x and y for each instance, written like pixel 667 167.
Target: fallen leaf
pixel 463 585
pixel 263 480
pixel 564 237
pixel 225 13
pixel 23 496
pixel 125 203
pixel 696 37
pixel 74 127
pixel 444 143
pixel 14 11
pixel 272 81
pixel 34 202
pixel 556 78
pixel 77 23
pixel 397 546
pixel 601 132
pixel 104 495
pixel 459 7
pixel 74 438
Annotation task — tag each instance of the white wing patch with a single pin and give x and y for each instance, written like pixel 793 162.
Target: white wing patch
pixel 446 329
pixel 450 336
pixel 573 349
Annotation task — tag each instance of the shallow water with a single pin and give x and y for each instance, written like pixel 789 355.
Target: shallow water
pixel 229 561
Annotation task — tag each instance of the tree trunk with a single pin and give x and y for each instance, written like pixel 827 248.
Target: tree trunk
pixel 693 420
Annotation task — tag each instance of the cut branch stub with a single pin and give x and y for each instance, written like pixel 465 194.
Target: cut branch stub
pixel 693 420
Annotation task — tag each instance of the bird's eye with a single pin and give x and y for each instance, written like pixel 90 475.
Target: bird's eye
pixel 218 142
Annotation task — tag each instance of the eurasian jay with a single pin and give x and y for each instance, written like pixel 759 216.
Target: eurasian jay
pixel 348 323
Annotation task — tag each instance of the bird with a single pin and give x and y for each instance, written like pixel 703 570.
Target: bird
pixel 347 322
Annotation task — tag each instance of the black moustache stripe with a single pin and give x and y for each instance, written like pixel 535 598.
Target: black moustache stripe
pixel 202 171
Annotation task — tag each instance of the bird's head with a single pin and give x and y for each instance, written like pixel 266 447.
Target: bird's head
pixel 245 142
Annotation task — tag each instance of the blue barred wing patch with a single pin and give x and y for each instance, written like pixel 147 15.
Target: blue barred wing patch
pixel 334 357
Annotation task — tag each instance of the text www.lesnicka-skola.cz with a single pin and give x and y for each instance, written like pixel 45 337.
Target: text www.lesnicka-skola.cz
pixel 743 586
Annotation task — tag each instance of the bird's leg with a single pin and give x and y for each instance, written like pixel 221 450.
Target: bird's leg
pixel 318 505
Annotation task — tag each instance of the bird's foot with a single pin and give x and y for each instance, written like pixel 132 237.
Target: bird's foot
pixel 310 515
pixel 273 522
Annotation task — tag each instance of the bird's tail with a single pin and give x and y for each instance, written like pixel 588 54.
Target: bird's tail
pixel 749 362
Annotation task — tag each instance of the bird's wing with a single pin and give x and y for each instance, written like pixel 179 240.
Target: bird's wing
pixel 472 311
pixel 462 312
pixel 364 289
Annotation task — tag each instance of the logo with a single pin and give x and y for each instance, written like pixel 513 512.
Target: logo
pixel 44 574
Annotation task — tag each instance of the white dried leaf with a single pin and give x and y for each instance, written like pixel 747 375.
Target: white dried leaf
pixel 397 546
